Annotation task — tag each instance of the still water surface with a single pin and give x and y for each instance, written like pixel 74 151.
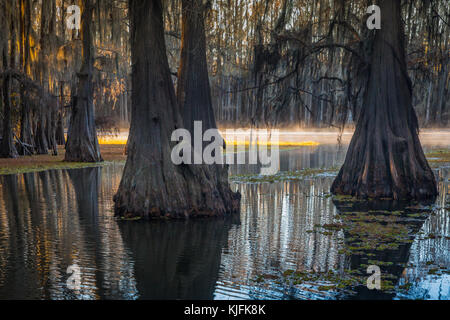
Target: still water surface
pixel 51 220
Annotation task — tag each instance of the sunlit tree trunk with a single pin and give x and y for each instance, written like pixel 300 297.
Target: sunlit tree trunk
pixel 152 186
pixel 385 158
pixel 82 143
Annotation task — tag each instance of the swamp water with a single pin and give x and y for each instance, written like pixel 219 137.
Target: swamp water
pixel 292 239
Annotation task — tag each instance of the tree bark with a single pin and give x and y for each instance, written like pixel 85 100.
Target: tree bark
pixel 82 143
pixel 51 126
pixel 40 139
pixel 26 134
pixel 385 157
pixel 7 147
pixel 193 87
pixel 26 147
pixel 60 138
pixel 152 186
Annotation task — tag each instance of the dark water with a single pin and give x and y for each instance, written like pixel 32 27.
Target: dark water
pixel 51 220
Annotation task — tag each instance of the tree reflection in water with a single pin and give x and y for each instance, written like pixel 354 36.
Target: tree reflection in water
pixel 178 259
pixel 51 220
pixel 379 233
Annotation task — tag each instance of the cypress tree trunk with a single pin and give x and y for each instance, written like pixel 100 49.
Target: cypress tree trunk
pixel 152 186
pixel 40 139
pixel 26 133
pixel 51 126
pixel 60 139
pixel 42 75
pixel 193 87
pixel 82 143
pixel 385 157
pixel 7 147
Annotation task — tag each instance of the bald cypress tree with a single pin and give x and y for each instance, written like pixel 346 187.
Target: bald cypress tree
pixel 152 185
pixel 82 143
pixel 7 147
pixel 385 158
pixel 193 87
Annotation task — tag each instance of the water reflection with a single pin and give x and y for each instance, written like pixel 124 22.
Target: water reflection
pixel 54 219
pixel 176 260
pixel 383 228
pixel 50 220
pixel 274 237
pixel 323 156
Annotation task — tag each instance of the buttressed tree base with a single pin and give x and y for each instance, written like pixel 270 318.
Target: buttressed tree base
pixel 385 158
pixel 152 186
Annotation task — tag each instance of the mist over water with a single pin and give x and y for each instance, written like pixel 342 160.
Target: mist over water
pixel 427 136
